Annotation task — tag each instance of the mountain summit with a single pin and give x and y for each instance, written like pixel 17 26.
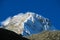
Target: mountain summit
pixel 27 23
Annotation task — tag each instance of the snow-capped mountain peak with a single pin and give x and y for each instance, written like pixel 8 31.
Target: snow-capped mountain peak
pixel 26 24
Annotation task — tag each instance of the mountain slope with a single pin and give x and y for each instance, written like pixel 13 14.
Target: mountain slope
pixel 46 35
pixel 27 24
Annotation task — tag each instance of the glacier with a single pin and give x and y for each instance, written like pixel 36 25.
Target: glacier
pixel 27 23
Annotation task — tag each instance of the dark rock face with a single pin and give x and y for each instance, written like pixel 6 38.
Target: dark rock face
pixel 9 35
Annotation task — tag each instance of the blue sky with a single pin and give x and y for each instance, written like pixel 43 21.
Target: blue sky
pixel 46 8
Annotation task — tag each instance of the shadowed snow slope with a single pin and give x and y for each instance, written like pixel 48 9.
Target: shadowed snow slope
pixel 27 24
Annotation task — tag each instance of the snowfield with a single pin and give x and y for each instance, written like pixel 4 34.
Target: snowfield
pixel 27 23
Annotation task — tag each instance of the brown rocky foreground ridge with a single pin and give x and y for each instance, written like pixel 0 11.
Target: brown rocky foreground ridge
pixel 46 35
